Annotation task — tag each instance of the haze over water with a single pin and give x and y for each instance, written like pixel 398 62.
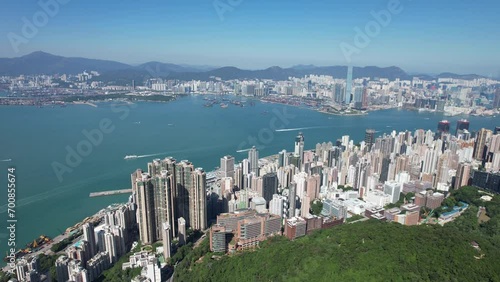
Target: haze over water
pixel 34 138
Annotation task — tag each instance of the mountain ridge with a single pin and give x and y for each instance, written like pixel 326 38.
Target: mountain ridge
pixel 40 62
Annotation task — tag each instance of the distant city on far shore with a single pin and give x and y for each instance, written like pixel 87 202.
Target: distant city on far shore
pixel 332 90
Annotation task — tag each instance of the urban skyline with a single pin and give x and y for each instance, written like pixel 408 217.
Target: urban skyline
pixel 389 178
pixel 215 140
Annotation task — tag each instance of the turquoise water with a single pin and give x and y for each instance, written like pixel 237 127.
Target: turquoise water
pixel 34 138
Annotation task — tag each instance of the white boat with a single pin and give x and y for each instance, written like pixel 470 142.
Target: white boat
pixel 130 157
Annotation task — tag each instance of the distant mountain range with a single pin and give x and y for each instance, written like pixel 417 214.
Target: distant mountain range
pixel 111 71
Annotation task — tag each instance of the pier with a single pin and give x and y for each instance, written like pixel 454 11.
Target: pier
pixel 109 193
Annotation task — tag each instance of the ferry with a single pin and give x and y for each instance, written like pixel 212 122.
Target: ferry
pixel 130 157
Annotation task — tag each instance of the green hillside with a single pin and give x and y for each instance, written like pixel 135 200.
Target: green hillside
pixel 366 251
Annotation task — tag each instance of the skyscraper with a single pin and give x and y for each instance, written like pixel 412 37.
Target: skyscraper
pixel 369 138
pixel 109 243
pixel 253 158
pixel 348 88
pixel 270 186
pixel 164 200
pixel 166 238
pixel 145 198
pixel 155 202
pixel 393 189
pixel 299 146
pixel 496 100
pixel 89 236
pixel 227 166
pixel 462 125
pixel 277 205
pixel 481 137
pixel 282 158
pixel 198 201
pixel 62 272
pixel 292 201
pixel 364 101
pixel 463 175
pixel 443 128
pixel 339 93
pixel 181 223
pixel 184 182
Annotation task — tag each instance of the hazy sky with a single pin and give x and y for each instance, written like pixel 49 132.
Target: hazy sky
pixel 424 36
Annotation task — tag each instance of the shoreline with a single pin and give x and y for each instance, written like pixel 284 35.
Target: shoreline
pixel 46 249
pixel 322 111
pixel 85 103
pixel 98 216
pixel 343 114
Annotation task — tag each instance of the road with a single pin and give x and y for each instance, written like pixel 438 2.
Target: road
pixel 45 249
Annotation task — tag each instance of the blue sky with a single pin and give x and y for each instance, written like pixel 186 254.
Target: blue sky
pixel 426 36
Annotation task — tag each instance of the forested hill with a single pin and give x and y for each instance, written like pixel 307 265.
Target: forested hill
pixel 365 251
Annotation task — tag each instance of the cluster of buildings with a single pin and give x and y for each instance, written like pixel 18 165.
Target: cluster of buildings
pixel 350 180
pixel 170 197
pixel 28 269
pixel 389 177
pixel 100 246
pixel 452 96
pixel 476 96
pixel 243 229
pixel 84 80
pixel 149 264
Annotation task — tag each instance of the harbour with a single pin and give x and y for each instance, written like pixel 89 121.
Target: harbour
pixel 58 127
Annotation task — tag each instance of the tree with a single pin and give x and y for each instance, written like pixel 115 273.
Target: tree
pixel 316 207
pixel 368 251
pixel 409 196
pixel 450 202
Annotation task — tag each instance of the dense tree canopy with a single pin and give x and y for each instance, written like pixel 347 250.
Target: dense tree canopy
pixel 368 251
pixel 316 207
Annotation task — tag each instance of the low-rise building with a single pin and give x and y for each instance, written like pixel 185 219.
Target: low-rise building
pixel 390 214
pixel 295 227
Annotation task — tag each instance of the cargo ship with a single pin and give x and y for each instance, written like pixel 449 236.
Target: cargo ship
pixel 31 247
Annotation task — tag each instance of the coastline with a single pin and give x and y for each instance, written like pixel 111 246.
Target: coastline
pixel 343 114
pixel 99 215
pixel 85 103
pixel 343 122
pixel 46 249
pixel 314 109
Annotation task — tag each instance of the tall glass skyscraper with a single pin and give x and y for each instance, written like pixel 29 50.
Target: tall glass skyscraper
pixel 348 87
pixel 253 158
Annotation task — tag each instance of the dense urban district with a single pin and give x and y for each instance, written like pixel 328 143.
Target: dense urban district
pixel 352 94
pixel 405 206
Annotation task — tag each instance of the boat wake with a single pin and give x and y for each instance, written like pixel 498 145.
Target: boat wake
pixel 6 160
pixel 300 128
pixel 88 182
pixel 150 155
pixel 244 150
pixel 133 157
